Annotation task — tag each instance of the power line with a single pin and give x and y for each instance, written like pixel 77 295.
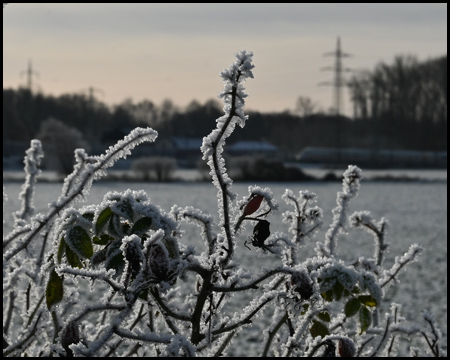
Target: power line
pixel 338 82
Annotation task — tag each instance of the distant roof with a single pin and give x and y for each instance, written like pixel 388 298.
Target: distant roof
pixel 252 146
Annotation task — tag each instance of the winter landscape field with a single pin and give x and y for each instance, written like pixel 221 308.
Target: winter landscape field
pixel 416 212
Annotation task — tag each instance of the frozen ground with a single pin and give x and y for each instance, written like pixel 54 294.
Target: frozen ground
pixel 417 213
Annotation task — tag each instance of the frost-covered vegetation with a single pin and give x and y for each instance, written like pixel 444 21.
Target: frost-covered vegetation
pixel 118 279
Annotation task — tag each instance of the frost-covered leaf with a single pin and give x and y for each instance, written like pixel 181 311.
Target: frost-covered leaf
pixel 115 227
pixel 123 208
pixel 328 296
pixel 367 300
pixel 116 263
pixel 80 242
pixel 141 226
pixel 352 307
pixel 55 291
pixel 365 319
pixel 98 257
pixel 338 291
pixel 61 250
pixel 89 216
pixel 103 218
pixel 324 316
pixel 73 259
pixel 114 258
pixel 103 240
pixel 318 329
pixel 171 245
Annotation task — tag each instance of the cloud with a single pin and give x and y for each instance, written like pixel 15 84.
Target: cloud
pixel 250 20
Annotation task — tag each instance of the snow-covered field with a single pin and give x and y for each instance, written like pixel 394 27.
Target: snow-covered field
pixel 417 213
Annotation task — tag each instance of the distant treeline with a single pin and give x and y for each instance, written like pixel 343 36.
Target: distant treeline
pixel 398 106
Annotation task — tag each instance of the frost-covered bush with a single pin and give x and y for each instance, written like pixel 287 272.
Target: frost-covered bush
pixel 118 279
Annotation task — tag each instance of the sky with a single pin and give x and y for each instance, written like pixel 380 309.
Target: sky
pixel 176 51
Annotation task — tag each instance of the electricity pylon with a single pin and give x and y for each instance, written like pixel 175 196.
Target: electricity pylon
pixel 338 82
pixel 91 91
pixel 29 73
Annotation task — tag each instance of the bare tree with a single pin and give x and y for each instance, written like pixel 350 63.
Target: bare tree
pixel 161 167
pixel 304 106
pixel 60 141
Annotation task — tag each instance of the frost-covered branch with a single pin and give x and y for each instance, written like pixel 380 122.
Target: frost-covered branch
pixel 32 161
pixel 253 284
pixel 350 187
pixel 400 262
pixel 93 168
pixel 363 218
pixel 212 148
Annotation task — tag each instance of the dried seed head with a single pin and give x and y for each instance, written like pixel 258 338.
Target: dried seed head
pixel 302 284
pixel 159 261
pixel 346 348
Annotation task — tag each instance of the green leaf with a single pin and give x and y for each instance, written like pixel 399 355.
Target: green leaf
pixel 73 259
pixel 61 250
pixel 328 296
pixel 88 216
pixel 141 226
pixel 55 291
pixel 103 240
pixel 103 218
pixel 115 228
pixel 365 319
pixel 324 316
pixel 123 208
pixel 367 300
pixel 318 329
pixel 117 263
pixel 338 290
pixel 352 307
pixel 114 257
pixel 80 242
pixel 98 257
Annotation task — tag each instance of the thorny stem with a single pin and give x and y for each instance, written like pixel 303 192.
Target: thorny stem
pixel 246 320
pixel 223 186
pixel 273 333
pixel 251 285
pixel 222 347
pixel 167 311
pixel 399 268
pixel 385 334
pixel 205 290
